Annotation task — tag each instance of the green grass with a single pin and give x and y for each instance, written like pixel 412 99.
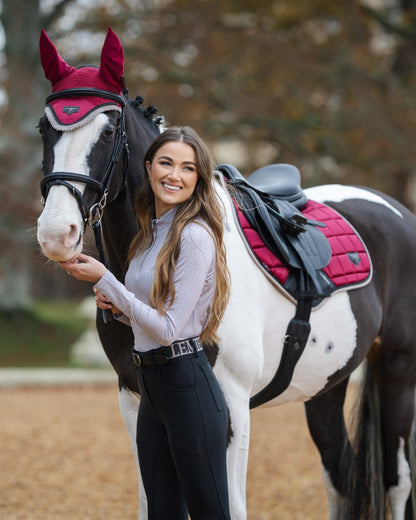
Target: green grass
pixel 40 337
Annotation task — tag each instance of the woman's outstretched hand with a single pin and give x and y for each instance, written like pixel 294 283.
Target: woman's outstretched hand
pixel 84 268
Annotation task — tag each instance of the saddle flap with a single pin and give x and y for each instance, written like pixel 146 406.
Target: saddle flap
pixel 312 246
pixel 267 224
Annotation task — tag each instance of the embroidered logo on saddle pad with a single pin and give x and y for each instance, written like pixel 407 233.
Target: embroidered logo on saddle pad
pixel 350 264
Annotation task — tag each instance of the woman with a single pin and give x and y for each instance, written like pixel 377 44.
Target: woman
pixel 175 294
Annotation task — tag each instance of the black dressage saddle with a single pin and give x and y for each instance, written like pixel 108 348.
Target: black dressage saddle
pixel 271 199
pixel 278 181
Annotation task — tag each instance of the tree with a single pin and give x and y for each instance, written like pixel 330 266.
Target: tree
pixel 20 153
pixel 318 81
pixel 25 89
pixel 328 86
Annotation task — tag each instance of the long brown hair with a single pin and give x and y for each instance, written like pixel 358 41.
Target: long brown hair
pixel 204 206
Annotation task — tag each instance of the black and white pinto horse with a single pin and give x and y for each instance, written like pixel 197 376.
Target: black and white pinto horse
pixel 93 168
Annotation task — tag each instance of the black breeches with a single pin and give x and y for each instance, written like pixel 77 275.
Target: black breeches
pixel 182 440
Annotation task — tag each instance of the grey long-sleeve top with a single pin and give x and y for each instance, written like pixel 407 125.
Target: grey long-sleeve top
pixel 194 281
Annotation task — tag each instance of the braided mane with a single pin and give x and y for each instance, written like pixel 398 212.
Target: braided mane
pixel 148 112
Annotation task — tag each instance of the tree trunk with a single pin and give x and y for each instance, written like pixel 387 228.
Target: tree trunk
pixel 20 153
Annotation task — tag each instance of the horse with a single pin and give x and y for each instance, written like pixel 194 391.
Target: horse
pixel 94 137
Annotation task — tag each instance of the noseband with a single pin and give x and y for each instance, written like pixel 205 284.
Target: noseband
pixel 92 214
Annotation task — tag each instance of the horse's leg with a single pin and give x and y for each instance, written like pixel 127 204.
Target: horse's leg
pixel 326 424
pixel 129 407
pixel 394 375
pixel 237 459
pixel 237 396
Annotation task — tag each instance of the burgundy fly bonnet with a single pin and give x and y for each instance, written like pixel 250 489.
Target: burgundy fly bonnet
pixel 71 111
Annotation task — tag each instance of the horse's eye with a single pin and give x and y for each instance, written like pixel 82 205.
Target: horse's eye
pixel 108 132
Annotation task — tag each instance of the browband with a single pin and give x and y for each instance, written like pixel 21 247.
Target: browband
pixel 94 92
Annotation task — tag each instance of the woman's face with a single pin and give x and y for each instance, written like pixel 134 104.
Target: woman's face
pixel 173 175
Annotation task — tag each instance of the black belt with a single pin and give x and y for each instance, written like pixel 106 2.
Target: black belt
pixel 162 355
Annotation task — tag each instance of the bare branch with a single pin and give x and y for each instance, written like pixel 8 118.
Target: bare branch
pixel 407 32
pixel 58 10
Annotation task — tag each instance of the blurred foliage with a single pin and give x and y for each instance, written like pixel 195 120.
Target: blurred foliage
pixel 42 336
pixel 328 86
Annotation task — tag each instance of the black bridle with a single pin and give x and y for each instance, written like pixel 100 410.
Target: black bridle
pixel 93 214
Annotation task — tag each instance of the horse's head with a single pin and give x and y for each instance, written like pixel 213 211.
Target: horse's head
pixel 83 133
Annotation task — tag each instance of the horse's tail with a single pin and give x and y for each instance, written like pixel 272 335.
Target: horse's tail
pixel 366 493
pixel 412 458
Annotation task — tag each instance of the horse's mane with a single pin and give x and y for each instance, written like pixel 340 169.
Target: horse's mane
pixel 148 112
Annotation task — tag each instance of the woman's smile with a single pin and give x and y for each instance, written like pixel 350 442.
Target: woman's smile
pixel 173 175
pixel 170 187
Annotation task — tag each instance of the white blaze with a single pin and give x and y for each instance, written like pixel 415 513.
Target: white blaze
pixel 60 225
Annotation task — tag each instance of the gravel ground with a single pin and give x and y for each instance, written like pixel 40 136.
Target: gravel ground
pixel 65 454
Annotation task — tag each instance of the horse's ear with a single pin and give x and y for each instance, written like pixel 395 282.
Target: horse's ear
pixel 54 66
pixel 112 61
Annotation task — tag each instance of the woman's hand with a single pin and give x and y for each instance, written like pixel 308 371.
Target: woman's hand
pixel 103 302
pixel 84 268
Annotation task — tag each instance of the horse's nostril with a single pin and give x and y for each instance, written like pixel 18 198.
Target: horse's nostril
pixel 73 231
pixel 72 236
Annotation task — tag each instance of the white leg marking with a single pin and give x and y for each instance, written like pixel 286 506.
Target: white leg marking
pixel 129 407
pixel 335 500
pixel 399 494
pixel 237 454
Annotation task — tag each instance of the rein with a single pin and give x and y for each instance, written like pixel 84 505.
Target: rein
pixel 92 215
